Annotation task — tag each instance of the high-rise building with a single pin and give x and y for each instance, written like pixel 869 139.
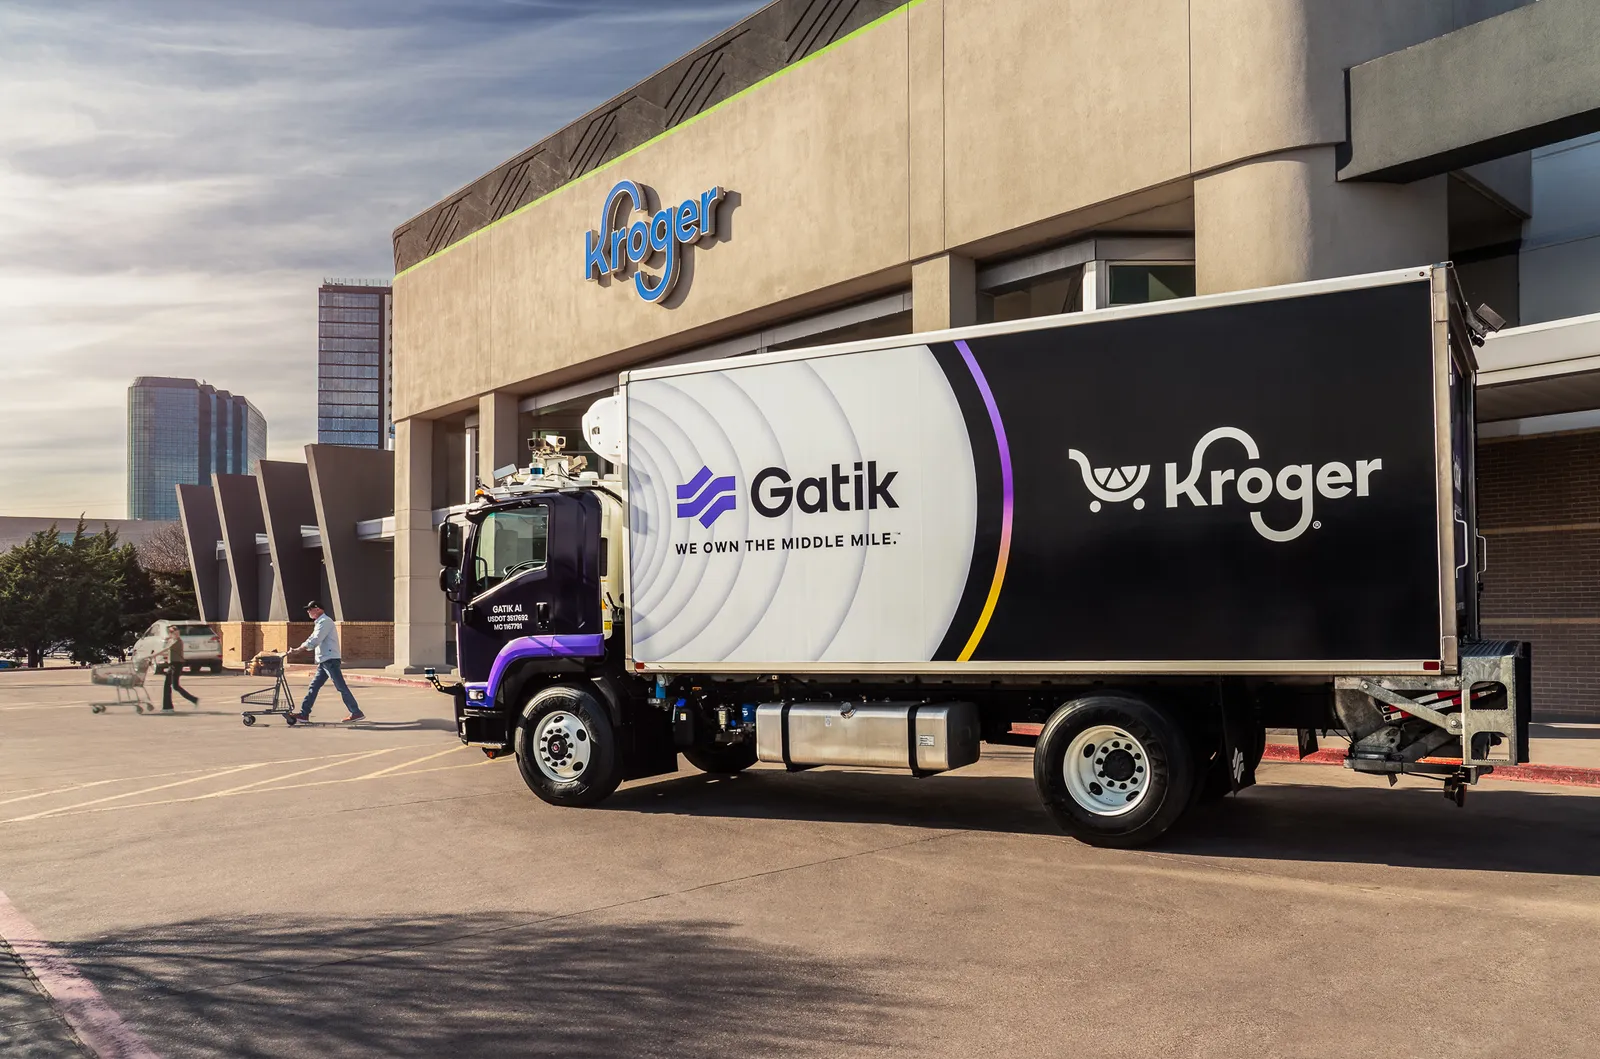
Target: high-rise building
pixel 181 431
pixel 354 388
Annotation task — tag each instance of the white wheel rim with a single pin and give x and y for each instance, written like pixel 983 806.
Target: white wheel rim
pixel 1107 770
pixel 562 746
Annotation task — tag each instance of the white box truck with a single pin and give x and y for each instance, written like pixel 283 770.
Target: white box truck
pixel 1133 538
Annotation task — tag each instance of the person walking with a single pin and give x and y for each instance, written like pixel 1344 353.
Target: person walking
pixel 173 648
pixel 325 638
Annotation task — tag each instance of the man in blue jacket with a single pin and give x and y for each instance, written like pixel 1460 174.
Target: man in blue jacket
pixel 325 639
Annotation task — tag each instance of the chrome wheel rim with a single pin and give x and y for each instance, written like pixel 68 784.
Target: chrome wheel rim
pixel 1107 771
pixel 562 746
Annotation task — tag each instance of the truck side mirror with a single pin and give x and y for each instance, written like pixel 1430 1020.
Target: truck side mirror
pixel 449 581
pixel 450 545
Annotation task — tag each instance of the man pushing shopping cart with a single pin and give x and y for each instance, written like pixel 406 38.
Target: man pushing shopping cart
pixel 325 639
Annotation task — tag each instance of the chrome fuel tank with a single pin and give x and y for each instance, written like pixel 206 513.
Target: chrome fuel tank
pixel 922 737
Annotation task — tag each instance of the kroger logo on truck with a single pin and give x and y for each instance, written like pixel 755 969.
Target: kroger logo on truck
pixel 1302 482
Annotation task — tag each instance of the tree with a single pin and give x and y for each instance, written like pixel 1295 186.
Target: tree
pixel 164 555
pixel 89 595
pixel 36 608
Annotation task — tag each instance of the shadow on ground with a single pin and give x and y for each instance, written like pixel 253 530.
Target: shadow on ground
pixel 482 985
pixel 1500 829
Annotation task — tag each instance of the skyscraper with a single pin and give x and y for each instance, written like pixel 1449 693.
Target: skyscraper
pixel 180 431
pixel 354 390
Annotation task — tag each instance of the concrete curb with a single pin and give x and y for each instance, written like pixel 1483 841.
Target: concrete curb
pixel 1561 775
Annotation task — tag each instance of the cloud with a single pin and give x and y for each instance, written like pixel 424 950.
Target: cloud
pixel 177 177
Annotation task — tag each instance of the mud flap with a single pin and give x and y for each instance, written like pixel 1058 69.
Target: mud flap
pixel 647 741
pixel 1242 736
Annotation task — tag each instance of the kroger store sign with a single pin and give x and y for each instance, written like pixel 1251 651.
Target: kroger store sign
pixel 619 244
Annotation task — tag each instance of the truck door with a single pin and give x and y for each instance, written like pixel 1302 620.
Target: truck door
pixel 531 570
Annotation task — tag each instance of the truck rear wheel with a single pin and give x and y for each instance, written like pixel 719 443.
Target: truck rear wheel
pixel 1113 770
pixel 567 747
pixel 728 759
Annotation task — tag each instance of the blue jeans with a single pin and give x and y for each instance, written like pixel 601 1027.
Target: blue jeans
pixel 326 671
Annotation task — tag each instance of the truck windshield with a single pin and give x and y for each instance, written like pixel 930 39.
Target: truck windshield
pixel 510 543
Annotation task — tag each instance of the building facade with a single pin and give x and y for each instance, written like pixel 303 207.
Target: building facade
pixel 181 432
pixel 858 170
pixel 354 376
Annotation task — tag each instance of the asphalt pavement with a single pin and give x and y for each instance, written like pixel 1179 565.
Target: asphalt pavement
pixel 378 890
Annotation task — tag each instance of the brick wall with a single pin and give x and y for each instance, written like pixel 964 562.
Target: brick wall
pixel 367 644
pixel 241 640
pixel 1539 512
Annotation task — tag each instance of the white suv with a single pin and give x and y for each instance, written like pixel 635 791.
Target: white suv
pixel 201 648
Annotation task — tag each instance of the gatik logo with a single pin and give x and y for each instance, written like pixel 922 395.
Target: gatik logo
pixel 617 245
pixel 706 497
pixel 1301 482
pixel 773 492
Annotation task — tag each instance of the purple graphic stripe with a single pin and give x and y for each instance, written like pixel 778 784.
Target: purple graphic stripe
pixel 725 502
pixel 687 492
pixel 558 645
pixel 1007 502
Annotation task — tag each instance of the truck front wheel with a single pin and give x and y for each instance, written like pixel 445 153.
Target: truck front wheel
pixel 1113 770
pixel 567 747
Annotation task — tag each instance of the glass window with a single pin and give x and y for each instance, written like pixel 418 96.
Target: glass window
pixel 348 345
pixel 1136 283
pixel 343 300
pixel 367 331
pixel 349 316
pixel 510 543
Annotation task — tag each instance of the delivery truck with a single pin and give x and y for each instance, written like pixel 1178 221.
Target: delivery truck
pixel 1133 539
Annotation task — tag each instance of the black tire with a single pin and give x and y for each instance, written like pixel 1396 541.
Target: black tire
pixel 249 721
pixel 722 760
pixel 603 771
pixel 1166 770
pixel 216 669
pixel 1215 781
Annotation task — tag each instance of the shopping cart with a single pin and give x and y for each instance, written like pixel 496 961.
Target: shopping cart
pixel 278 699
pixel 127 678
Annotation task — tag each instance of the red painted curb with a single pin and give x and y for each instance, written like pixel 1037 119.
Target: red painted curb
pixel 1561 775
pixel 365 678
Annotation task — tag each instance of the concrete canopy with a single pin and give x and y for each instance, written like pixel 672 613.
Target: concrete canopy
pixel 1511 83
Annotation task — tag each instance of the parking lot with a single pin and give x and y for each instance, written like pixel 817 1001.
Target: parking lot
pixel 381 891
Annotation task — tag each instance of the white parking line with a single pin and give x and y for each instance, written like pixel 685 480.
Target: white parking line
pixel 133 794
pixel 302 772
pixel 251 788
pixel 100 1028
pixel 406 764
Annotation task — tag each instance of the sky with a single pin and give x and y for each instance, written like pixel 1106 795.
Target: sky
pixel 178 176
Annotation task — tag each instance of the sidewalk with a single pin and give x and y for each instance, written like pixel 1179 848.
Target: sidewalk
pixel 373 676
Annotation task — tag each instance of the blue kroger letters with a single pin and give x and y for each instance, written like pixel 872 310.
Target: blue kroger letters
pixel 617 245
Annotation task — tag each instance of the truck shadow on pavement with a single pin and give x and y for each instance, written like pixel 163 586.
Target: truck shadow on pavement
pixel 481 985
pixel 1500 829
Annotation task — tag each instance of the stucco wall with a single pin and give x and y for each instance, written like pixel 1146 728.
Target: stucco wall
pixel 943 127
pixel 815 167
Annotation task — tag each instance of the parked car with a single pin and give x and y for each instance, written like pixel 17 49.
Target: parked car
pixel 9 663
pixel 201 647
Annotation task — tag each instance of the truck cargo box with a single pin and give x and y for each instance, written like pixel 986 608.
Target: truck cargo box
pixel 1250 483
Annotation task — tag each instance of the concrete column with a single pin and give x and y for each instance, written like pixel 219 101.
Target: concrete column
pixel 1285 218
pixel 944 293
pixel 419 607
pixel 925 136
pixel 498 444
